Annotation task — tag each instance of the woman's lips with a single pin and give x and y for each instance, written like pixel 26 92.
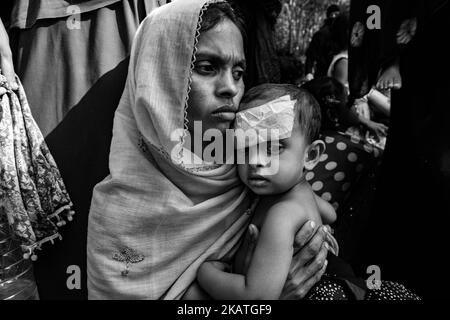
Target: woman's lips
pixel 225 113
pixel 225 116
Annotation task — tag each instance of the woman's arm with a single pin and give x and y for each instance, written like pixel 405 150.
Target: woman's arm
pixel 269 266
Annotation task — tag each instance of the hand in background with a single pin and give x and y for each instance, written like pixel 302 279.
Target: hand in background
pixel 378 128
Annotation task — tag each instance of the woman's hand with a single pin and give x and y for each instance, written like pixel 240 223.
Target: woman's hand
pixel 6 61
pixel 309 261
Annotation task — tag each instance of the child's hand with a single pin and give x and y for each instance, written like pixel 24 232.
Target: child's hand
pixel 222 266
pixel 378 128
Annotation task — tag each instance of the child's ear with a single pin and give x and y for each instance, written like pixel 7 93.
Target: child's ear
pixel 315 150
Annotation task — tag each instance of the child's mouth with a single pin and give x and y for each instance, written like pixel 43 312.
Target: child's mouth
pixel 257 181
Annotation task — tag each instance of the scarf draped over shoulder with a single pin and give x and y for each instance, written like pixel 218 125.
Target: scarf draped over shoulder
pixel 154 220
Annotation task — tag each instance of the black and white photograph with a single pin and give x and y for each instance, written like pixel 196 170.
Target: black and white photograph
pixel 224 150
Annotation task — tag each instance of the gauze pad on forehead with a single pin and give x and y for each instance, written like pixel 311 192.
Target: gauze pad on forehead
pixel 273 120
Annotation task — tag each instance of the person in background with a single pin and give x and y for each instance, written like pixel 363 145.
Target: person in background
pixel 416 162
pixel 260 18
pixel 338 70
pixel 320 52
pixel 61 50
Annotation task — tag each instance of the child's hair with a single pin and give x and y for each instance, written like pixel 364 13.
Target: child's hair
pixel 332 98
pixel 307 109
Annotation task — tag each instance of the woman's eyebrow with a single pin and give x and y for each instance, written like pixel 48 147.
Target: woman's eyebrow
pixel 220 59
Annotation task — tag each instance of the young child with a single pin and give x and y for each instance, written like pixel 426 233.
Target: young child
pixel 287 202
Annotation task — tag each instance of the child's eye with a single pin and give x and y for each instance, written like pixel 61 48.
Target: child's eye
pixel 274 148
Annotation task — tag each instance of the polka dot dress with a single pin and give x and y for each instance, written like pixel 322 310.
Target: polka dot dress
pixel 344 161
pixel 329 290
pixel 391 291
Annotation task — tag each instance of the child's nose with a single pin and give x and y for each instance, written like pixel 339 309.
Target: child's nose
pixel 259 158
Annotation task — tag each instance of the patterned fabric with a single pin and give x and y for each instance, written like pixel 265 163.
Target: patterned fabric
pixel 176 217
pixel 407 31
pixel 344 161
pixel 357 34
pixel 330 290
pixel 33 198
pixel 340 283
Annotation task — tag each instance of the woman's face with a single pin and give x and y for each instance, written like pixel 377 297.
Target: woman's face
pixel 217 84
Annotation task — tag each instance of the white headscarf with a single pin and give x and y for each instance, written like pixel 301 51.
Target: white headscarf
pixel 152 221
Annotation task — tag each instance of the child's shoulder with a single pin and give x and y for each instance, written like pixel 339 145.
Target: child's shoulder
pixel 297 206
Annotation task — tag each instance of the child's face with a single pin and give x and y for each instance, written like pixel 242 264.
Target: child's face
pixel 258 173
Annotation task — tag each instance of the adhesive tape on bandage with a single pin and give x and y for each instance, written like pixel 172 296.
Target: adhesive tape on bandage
pixel 271 121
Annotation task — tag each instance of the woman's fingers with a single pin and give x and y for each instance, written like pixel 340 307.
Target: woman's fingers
pixel 317 264
pixel 334 246
pixel 312 248
pixel 306 232
pixel 311 282
pixel 309 251
pixel 301 279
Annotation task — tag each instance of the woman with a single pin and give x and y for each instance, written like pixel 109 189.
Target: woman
pixel 338 69
pixel 156 217
pixel 417 154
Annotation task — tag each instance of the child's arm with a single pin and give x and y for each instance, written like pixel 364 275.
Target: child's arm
pixel 270 263
pixel 326 210
pixel 380 102
pixel 195 292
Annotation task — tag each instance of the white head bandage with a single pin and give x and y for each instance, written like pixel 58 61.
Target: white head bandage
pixel 273 120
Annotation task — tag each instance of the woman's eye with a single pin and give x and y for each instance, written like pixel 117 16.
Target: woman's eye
pixel 205 69
pixel 238 74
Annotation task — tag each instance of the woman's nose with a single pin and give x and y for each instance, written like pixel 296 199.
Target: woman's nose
pixel 227 86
